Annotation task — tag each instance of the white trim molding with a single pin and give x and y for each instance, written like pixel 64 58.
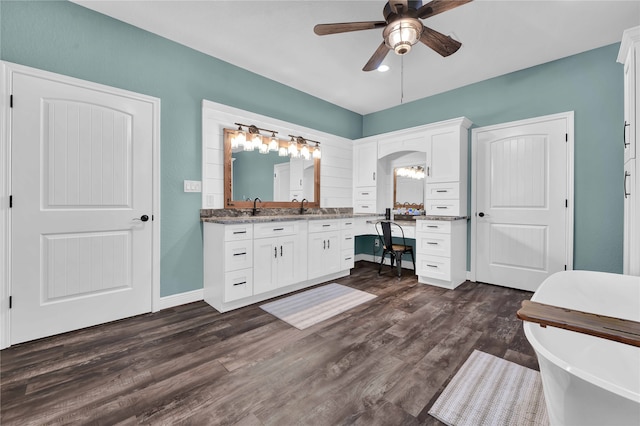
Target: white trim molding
pixel 173 300
pixel 7 70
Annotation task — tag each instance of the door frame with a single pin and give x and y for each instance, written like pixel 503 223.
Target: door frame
pixel 569 117
pixel 7 70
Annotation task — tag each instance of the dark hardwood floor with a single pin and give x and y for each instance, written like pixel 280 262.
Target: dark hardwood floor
pixel 384 362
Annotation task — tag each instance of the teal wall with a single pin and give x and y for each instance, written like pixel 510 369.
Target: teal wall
pixel 65 38
pixel 591 85
pixel 62 37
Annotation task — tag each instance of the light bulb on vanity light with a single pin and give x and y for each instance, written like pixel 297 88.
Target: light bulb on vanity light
pixel 273 143
pixel 316 151
pixel 304 152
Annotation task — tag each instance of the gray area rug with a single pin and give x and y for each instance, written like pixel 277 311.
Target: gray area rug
pixel 488 390
pixel 305 309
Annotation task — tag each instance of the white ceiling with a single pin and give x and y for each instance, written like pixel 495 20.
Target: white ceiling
pixel 275 39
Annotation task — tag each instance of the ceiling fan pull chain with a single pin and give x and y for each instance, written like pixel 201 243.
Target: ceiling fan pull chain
pixel 401 79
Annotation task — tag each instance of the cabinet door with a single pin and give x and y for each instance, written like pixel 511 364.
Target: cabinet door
pixel 631 237
pixel 265 260
pixel 630 100
pixel 365 160
pixel 332 261
pixel 286 261
pixel 324 253
pixel 443 158
pixel 317 247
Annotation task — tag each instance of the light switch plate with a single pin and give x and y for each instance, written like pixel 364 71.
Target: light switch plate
pixel 192 186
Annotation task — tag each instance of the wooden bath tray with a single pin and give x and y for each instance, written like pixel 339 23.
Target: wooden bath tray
pixel 616 329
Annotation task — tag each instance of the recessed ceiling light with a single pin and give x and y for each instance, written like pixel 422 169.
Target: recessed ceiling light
pixel 383 68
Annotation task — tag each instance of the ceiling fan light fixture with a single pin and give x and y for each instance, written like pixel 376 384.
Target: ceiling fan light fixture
pixel 402 34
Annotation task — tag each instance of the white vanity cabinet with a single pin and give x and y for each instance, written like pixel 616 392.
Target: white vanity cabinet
pixel 441 252
pixel 324 248
pixel 231 267
pixel 276 254
pixel 629 55
pixel 347 244
pixel 446 172
pixel 365 175
pixel 246 263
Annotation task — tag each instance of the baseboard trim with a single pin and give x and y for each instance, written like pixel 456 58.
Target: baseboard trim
pixel 181 299
pixel 406 264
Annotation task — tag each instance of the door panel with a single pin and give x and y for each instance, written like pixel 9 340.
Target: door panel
pixel 82 182
pixel 521 203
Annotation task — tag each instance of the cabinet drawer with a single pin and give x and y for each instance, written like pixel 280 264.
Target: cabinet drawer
pixel 243 231
pixel 348 240
pixel 274 229
pixel 433 243
pixel 440 226
pixel 323 225
pixel 442 207
pixel 238 255
pixel 364 194
pixel 364 207
pixel 347 260
pixel 347 224
pixel 238 284
pixel 440 191
pixel 434 267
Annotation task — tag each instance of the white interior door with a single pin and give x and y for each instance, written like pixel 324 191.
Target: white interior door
pixel 82 187
pixel 281 177
pixel 521 202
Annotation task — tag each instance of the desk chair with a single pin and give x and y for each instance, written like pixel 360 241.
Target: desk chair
pixel 395 251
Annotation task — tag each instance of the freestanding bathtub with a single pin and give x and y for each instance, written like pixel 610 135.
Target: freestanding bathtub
pixel 588 380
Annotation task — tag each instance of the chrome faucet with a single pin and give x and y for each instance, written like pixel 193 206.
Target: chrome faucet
pixel 253 213
pixel 302 209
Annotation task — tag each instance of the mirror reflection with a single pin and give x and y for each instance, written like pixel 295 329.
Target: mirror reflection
pixel 276 177
pixel 271 177
pixel 408 187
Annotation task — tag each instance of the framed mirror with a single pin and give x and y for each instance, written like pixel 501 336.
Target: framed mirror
pixel 279 181
pixel 408 187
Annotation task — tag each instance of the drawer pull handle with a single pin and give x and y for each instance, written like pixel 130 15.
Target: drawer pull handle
pixel 433 244
pixel 239 232
pixel 347 258
pixel 348 238
pixel 432 266
pixel 442 207
pixel 240 254
pixel 365 207
pixel 348 223
pixel 324 226
pixel 365 193
pixel 442 190
pixel 243 282
pixel 432 226
pixel 278 229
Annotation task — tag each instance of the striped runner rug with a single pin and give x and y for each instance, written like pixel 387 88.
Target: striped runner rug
pixel 488 390
pixel 305 309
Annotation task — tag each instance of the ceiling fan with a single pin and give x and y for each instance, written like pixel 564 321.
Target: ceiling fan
pixel 402 28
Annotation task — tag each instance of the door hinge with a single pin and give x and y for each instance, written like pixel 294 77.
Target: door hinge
pixel 566 137
pixel 10 302
pixel 10 101
pixel 10 201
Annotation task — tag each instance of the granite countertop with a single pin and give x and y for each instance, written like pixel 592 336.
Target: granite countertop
pixel 448 218
pixel 235 216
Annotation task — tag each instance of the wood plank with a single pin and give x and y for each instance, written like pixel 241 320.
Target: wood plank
pixel 610 328
pixel 383 362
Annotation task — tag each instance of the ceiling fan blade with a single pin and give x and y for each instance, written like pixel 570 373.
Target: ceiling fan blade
pixel 377 58
pixel 325 29
pixel 435 7
pixel 398 6
pixel 439 42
